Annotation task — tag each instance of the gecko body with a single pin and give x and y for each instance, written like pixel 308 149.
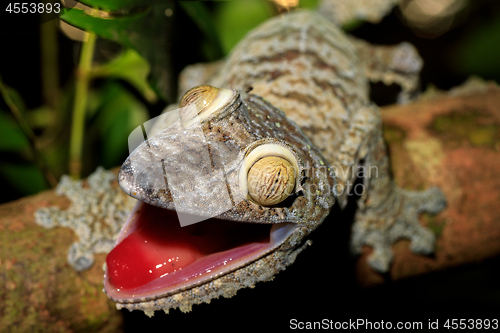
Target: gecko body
pixel 309 95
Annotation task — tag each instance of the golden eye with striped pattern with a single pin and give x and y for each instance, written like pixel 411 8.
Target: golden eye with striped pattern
pixel 200 102
pixel 269 174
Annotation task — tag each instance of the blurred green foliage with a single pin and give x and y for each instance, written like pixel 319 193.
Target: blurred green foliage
pixel 121 89
pixel 117 114
pixel 143 32
pixel 233 19
pixel 131 67
pixel 127 85
pixel 479 51
pixel 12 138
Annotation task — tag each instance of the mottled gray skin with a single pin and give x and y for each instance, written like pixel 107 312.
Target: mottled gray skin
pixel 307 67
pixel 231 133
pixel 96 215
pixel 344 11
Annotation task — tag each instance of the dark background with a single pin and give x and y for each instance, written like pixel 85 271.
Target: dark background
pixel 321 284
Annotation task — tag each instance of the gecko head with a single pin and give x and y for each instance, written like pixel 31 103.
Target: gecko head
pixel 231 181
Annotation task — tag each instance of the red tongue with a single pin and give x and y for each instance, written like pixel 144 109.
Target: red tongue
pixel 159 246
pixel 138 259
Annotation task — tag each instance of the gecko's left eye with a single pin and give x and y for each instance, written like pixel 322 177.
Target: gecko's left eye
pixel 269 174
pixel 201 102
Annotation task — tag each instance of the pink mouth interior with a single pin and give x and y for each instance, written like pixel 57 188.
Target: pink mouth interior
pixel 158 255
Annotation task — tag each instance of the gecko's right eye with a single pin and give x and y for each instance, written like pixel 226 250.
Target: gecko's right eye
pixel 201 102
pixel 269 174
pixel 270 180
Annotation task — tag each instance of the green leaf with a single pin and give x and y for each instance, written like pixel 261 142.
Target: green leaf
pixel 146 32
pixel 114 5
pixel 311 4
pixel 16 99
pixel 235 18
pixel 40 117
pixel 11 136
pixel 26 178
pixel 119 114
pixel 131 67
pixel 120 29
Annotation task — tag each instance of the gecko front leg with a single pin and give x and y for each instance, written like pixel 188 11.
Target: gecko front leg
pixel 385 212
pixel 396 64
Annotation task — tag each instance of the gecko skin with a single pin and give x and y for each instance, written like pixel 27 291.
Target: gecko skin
pixel 232 134
pixel 307 67
pixel 309 86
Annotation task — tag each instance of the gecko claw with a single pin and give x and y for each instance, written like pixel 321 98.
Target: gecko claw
pixel 381 231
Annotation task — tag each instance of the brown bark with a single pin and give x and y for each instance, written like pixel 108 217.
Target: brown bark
pixel 451 141
pixel 39 290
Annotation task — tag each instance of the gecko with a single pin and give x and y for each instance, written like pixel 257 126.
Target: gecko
pixel 287 123
pixel 299 86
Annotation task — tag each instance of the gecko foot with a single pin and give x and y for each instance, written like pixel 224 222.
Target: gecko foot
pixel 379 227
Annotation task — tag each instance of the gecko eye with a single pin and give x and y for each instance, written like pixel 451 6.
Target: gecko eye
pixel 200 102
pixel 270 180
pixel 269 174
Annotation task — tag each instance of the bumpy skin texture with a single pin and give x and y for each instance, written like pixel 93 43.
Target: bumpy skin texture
pixel 344 11
pixel 306 66
pixel 230 135
pixel 96 215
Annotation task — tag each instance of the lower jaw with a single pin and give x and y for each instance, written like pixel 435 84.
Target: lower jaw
pixel 253 241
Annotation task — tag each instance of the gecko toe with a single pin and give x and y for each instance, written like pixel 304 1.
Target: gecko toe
pixel 422 241
pixel 434 201
pixel 381 258
pixel 399 220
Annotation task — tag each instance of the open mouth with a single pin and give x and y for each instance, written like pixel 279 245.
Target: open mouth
pixel 155 257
